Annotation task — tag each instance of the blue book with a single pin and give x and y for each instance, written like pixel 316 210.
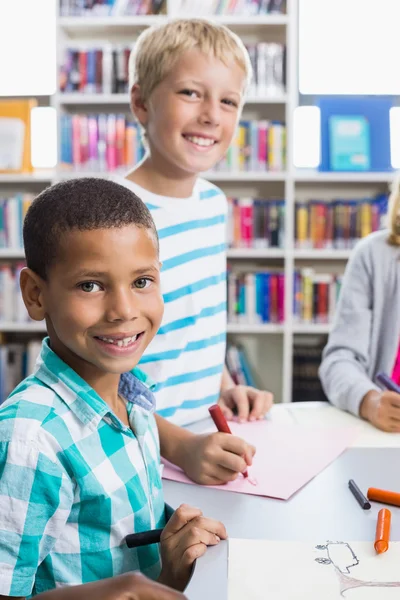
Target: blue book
pixel 349 143
pixel 246 368
pixel 266 298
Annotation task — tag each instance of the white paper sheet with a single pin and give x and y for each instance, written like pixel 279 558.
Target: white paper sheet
pixel 281 570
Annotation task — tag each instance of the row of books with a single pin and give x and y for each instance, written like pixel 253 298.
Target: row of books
pixel 107 142
pixel 113 8
pixel 99 142
pixel 257 146
pixel 95 70
pixel 268 60
pixel 306 385
pixel 12 307
pixel 194 8
pixel 239 366
pixel 197 8
pixel 12 214
pixel 89 69
pixel 255 298
pixel 338 224
pixel 315 296
pixel 256 223
pixel 17 361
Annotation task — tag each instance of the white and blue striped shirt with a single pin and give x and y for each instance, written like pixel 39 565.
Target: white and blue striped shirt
pixel 186 357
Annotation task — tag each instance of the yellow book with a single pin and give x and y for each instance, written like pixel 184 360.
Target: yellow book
pixel 307 292
pixel 302 226
pixel 15 135
pixel 366 219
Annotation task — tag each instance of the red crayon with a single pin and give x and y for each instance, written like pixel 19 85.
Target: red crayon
pixel 220 423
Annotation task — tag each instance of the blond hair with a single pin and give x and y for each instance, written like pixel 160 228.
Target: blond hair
pixel 158 48
pixel 393 220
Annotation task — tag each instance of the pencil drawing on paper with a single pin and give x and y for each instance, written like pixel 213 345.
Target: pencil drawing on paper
pixel 342 557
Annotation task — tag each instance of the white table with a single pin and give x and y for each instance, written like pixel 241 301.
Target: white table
pixel 323 509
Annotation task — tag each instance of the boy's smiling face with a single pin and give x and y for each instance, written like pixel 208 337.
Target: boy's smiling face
pixel 102 299
pixel 191 116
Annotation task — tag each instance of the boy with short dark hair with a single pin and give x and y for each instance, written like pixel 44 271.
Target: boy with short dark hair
pixel 79 450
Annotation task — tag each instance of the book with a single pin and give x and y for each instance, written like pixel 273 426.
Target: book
pixel 15 135
pixel 256 297
pixel 349 143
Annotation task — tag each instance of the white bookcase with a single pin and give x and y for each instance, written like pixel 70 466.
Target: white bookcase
pixel 269 346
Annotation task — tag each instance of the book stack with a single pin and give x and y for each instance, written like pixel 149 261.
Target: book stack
pixel 99 143
pixel 12 214
pixel 315 296
pixel 196 8
pixel 95 69
pixel 113 8
pixel 306 384
pixel 257 146
pixel 256 298
pixel 238 365
pixel 12 307
pixel 338 224
pixel 103 68
pixel 17 361
pixel 268 60
pixel 256 223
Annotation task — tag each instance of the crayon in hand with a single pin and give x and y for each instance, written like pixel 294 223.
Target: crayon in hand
pixel 220 422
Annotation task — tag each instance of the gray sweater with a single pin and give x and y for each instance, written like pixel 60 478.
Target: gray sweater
pixel 366 330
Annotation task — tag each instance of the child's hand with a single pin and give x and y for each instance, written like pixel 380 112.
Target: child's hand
pixel 382 409
pixel 248 402
pixel 129 586
pixel 184 539
pixel 215 458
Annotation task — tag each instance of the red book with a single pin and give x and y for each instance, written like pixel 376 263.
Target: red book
pixel 83 70
pixel 281 297
pixel 273 290
pixel 120 140
pixel 246 222
pixel 76 143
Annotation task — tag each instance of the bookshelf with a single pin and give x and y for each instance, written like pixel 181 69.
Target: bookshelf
pixel 270 346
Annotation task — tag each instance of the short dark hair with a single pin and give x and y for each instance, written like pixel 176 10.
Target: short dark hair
pixel 82 204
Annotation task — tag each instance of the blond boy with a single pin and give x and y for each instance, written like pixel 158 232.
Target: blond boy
pixel 188 80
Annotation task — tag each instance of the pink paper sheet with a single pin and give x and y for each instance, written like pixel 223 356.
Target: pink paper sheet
pixel 287 457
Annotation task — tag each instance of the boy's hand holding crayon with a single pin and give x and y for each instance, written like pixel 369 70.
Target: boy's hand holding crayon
pixel 184 539
pixel 216 458
pixel 247 402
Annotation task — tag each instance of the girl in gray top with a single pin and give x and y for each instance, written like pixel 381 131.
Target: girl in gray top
pixel 366 331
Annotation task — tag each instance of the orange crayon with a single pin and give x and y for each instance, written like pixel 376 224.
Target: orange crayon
pixel 383 496
pixel 382 530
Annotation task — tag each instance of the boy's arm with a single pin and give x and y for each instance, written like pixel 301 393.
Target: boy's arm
pixel 131 586
pixel 172 439
pixel 209 459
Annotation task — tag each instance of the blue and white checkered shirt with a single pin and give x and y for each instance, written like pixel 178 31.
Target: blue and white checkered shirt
pixel 74 481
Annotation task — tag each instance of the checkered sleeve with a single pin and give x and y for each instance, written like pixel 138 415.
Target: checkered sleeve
pixel 36 496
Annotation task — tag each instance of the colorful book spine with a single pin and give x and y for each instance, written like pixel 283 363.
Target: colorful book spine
pixel 114 8
pixel 256 223
pixel 256 298
pixel 12 214
pixel 12 308
pixel 315 296
pixel 257 145
pixel 338 224
pixel 103 143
